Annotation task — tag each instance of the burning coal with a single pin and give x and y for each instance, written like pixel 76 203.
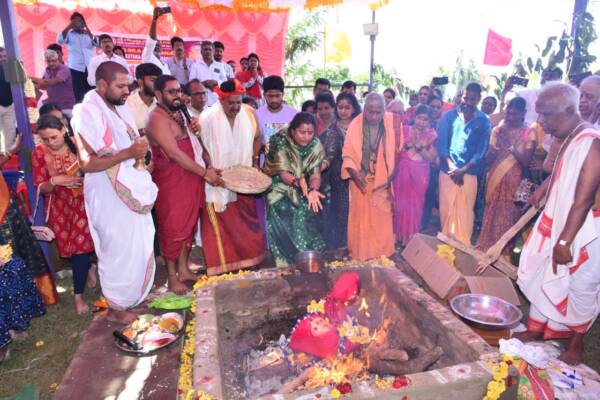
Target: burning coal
pixel 338 342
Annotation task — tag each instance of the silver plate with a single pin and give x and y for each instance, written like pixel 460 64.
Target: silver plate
pixel 485 311
pixel 124 347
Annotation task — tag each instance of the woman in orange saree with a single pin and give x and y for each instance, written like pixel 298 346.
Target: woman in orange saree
pixel 511 149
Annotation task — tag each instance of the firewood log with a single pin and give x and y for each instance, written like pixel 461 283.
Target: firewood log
pixel 424 359
pixel 290 387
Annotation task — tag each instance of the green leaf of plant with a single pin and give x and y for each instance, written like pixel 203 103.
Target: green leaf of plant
pixel 549 43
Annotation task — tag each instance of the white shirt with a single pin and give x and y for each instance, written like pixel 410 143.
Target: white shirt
pixel 204 72
pixel 228 70
pixel 195 113
pixel 180 70
pixel 530 96
pixel 99 59
pixel 139 109
pixel 149 57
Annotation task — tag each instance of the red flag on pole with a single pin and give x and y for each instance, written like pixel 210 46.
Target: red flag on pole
pixel 497 50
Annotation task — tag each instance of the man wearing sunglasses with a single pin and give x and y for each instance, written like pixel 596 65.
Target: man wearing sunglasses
pixel 180 171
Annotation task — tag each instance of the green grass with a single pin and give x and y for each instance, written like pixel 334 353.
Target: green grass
pixel 60 330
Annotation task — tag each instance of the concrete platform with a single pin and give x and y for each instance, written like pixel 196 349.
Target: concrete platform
pixel 100 371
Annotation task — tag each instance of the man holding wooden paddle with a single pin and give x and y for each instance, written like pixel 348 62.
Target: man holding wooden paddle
pixel 559 271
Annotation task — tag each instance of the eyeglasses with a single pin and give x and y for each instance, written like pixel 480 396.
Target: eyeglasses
pixel 199 94
pixel 173 92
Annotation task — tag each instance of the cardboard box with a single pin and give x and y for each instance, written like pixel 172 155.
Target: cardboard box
pixel 447 281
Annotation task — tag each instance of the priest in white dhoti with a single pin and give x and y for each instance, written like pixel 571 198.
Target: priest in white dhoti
pixel 119 193
pixel 559 271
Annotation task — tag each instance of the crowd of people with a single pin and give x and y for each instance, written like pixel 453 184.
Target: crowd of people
pixel 130 168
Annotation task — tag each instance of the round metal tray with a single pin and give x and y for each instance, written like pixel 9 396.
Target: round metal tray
pixel 127 349
pixel 124 347
pixel 486 312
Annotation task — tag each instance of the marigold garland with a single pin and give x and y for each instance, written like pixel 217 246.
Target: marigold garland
pixel 6 254
pixel 380 261
pixel 185 387
pixel 497 385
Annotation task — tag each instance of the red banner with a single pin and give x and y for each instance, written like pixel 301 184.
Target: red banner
pixel 241 32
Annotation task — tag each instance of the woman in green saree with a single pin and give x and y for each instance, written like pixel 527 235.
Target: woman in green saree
pixel 293 200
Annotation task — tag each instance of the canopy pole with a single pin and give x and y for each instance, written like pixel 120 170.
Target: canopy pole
pixel 11 44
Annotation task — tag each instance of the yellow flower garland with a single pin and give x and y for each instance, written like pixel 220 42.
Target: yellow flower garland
pixel 185 387
pixel 6 253
pixel 497 385
pixel 316 307
pixel 382 261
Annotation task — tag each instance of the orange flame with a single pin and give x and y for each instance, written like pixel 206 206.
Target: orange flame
pixel 342 369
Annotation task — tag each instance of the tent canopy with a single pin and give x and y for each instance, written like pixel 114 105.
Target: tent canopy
pixel 145 6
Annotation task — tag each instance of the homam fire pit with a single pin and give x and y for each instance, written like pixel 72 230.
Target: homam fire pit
pixel 240 323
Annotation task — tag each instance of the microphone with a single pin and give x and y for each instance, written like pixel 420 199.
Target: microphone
pixel 187 116
pixel 185 112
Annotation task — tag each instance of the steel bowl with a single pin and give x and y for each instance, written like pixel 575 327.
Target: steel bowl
pixel 308 261
pixel 486 312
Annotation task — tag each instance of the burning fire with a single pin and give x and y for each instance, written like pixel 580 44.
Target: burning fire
pixel 339 370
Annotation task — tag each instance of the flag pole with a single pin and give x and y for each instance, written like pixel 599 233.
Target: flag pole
pixel 324 50
pixel 372 65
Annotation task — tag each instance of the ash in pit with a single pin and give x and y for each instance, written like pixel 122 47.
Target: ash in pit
pixel 337 342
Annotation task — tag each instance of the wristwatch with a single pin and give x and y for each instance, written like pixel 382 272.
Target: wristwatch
pixel 563 242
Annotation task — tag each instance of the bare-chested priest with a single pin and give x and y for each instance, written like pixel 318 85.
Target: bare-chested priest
pixel 180 173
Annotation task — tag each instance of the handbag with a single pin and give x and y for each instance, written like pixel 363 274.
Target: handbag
pixel 525 190
pixel 42 232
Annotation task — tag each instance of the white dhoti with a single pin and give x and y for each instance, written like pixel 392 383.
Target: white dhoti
pixel 118 203
pixel 568 301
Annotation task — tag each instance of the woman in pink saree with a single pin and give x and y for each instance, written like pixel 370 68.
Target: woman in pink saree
pixel 412 176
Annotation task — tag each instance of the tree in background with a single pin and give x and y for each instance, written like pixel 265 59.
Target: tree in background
pixel 569 53
pixel 303 38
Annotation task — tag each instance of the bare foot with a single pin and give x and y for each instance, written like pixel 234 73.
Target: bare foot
pixel 573 354
pixel 92 278
pixel 187 276
pixel 80 305
pixel 121 317
pixel 4 353
pixel 18 335
pixel 176 286
pixel 195 267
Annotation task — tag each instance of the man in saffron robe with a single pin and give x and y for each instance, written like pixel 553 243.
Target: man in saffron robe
pixel 368 161
pixel 118 196
pixel 232 236
pixel 559 270
pixel 179 172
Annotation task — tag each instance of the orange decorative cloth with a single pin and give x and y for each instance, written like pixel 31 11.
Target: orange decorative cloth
pixel 370 231
pixel 238 90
